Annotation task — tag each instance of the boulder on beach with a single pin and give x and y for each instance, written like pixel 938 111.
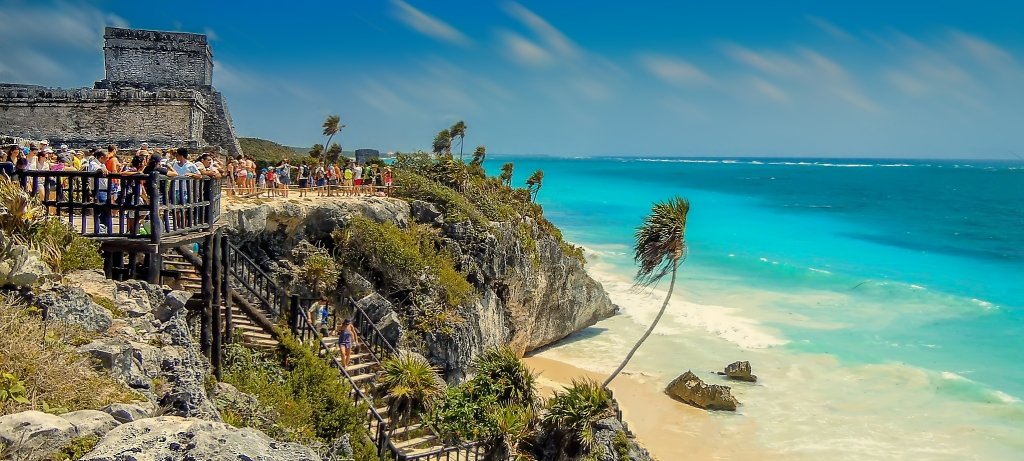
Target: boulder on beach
pixel 688 388
pixel 739 371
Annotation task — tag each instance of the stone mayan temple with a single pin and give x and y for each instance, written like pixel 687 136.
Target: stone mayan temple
pixel 158 89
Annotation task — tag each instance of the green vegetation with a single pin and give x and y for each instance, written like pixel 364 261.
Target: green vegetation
pixel 408 260
pixel 575 410
pixel 110 305
pixel 659 250
pixel 76 448
pixel 12 389
pixel 621 444
pixel 305 402
pixel 410 385
pixel 464 192
pixel 318 271
pixel 266 152
pixel 332 126
pixel 498 403
pixel 53 374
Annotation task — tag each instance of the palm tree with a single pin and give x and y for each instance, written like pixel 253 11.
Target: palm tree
pixel 533 184
pixel 410 383
pixel 458 130
pixel 316 150
pixel 443 143
pixel 575 410
pixel 506 174
pixel 479 155
pixel 333 153
pixel 332 126
pixel 659 249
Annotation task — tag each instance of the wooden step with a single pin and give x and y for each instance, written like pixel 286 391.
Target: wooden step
pixel 406 429
pixel 434 448
pixel 363 377
pixel 417 441
pixel 351 369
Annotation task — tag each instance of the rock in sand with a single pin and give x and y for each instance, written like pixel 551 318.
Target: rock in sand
pixel 688 388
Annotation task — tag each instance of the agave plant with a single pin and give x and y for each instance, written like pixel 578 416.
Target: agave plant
pixel 575 410
pixel 19 211
pixel 409 384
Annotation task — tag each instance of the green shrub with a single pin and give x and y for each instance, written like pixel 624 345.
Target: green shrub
pixel 319 272
pixel 309 401
pixel 63 249
pixel 12 389
pixel 404 259
pixel 110 305
pixel 76 448
pixel 455 206
pixel 575 410
pixel 621 444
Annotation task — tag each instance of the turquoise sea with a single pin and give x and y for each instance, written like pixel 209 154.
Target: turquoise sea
pixel 894 282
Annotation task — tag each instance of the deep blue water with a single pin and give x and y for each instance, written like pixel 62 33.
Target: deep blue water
pixel 926 257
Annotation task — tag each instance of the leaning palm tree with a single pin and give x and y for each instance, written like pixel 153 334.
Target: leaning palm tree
pixel 458 130
pixel 534 182
pixel 332 126
pixel 659 249
pixel 506 174
pixel 479 155
pixel 443 143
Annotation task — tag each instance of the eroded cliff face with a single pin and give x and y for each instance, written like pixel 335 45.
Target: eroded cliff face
pixel 531 293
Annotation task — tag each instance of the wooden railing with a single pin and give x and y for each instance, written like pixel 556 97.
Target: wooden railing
pixel 258 286
pixel 129 206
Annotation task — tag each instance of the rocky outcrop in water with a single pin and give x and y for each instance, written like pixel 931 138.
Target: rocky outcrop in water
pixel 740 371
pixel 688 388
pixel 531 293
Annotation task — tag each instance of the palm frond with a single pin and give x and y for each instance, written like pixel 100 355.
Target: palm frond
pixel 661 240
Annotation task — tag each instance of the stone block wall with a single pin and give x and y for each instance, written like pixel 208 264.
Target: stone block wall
pixel 90 118
pixel 149 58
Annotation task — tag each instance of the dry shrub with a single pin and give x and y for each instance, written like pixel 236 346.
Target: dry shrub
pixel 55 374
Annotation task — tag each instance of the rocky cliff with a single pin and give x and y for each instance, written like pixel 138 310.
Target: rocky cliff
pixel 531 292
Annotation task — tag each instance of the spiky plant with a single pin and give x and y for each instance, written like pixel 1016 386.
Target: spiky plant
pixel 514 382
pixel 410 384
pixel 575 410
pixel 319 272
pixel 515 425
pixel 659 249
pixel 19 212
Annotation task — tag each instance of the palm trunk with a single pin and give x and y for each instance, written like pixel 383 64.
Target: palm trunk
pixel 650 329
pixel 327 146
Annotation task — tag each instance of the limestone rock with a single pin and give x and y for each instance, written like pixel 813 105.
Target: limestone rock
pixel 174 302
pixel 75 306
pixel 34 435
pixel 22 267
pixel 616 444
pixel 383 315
pixel 117 357
pixel 173 438
pixel 739 371
pixel 91 422
pixel 126 412
pixel 425 212
pixel 688 388
pixel 93 282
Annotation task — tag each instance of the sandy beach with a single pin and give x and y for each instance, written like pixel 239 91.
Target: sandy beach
pixel 670 430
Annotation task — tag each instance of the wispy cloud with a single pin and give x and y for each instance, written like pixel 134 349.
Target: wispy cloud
pixel 674 71
pixel 522 50
pixel 769 90
pixel 428 25
pixel 830 28
pixel 550 36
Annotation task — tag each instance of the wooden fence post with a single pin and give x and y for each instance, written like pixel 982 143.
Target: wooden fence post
pixel 216 304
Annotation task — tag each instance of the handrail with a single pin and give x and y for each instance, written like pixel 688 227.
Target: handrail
pixel 383 437
pixel 250 276
pixel 364 322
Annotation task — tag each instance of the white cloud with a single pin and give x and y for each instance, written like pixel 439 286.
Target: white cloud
pixel 674 71
pixel 428 25
pixel 211 35
pixel 769 90
pixel 769 63
pixel 554 39
pixel 830 28
pixel 906 83
pixel 523 51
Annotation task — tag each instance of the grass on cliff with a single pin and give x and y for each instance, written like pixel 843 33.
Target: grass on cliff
pixel 307 401
pixel 55 376
pixel 464 192
pixel 408 261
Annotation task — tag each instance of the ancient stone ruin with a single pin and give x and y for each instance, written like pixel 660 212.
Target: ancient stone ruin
pixel 158 89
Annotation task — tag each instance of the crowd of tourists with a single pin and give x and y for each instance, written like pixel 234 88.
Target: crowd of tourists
pixel 346 178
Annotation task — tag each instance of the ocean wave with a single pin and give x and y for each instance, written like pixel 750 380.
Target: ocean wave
pixel 641 306
pixel 962 388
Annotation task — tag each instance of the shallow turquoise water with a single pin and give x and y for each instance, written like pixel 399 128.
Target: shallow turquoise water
pixel 925 258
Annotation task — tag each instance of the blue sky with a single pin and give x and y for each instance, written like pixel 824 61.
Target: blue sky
pixel 878 79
